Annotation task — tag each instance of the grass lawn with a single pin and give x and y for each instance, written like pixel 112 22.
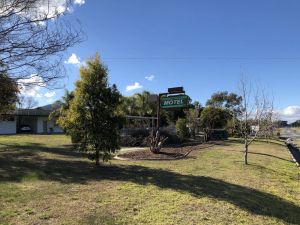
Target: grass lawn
pixel 43 182
pixel 297 142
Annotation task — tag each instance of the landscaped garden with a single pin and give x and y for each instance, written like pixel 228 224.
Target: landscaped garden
pixel 42 181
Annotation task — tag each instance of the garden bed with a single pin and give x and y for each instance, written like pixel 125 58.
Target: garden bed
pixel 167 153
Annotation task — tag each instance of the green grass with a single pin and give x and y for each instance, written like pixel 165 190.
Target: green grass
pixel 42 181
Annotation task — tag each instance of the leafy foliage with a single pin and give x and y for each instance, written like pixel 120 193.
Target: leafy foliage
pixel 139 104
pixel 224 100
pixel 91 118
pixel 213 118
pixel 8 92
pixel 182 129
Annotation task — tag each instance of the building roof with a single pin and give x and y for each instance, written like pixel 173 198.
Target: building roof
pixel 31 112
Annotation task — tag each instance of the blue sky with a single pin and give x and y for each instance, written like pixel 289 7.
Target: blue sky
pixel 203 45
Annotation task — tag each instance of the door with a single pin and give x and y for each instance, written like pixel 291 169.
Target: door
pixel 44 126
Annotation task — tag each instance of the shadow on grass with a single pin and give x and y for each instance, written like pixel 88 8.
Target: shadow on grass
pixel 30 148
pixel 259 153
pixel 15 166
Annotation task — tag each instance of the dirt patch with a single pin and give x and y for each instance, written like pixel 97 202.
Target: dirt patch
pixel 167 153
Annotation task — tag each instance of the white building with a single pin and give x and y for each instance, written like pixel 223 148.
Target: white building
pixel 34 121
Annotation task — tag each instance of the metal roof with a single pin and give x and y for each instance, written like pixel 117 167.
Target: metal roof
pixel 31 112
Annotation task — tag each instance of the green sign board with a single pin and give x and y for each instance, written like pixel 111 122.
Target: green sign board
pixel 178 101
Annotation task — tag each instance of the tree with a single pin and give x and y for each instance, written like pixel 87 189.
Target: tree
pixel 193 120
pixel 9 94
pixel 182 129
pixel 33 36
pixel 143 103
pixel 91 118
pixel 128 106
pixel 213 118
pixel 257 114
pixel 61 107
pixel 217 99
pixel 27 102
pixel 139 104
pixel 225 100
pixel 231 102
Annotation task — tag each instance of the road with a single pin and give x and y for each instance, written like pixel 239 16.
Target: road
pixel 294 149
pixel 290 133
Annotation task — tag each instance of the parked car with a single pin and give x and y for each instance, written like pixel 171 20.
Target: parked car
pixel 25 129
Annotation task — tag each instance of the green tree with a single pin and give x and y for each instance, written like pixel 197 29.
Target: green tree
pixel 144 106
pixel 128 106
pixel 91 118
pixel 225 100
pixel 230 102
pixel 137 105
pixel 182 129
pixel 213 118
pixel 9 94
pixel 61 107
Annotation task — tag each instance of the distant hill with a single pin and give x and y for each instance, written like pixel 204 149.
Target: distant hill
pixel 52 106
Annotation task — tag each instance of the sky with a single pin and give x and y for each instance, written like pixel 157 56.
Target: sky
pixel 202 45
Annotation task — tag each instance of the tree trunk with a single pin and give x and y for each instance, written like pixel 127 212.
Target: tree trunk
pixel 97 157
pixel 246 152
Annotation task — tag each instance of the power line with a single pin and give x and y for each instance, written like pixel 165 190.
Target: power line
pixel 160 58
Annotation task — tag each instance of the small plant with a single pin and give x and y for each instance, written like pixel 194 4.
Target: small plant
pixel 182 129
pixel 156 141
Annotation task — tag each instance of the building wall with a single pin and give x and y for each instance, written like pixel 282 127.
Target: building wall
pixel 36 124
pixel 40 124
pixel 55 128
pixel 8 127
pixel 51 127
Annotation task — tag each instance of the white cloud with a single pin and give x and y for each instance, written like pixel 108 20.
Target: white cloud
pixel 50 100
pixel 31 86
pixel 134 86
pixel 49 9
pixel 79 2
pixel 150 77
pixel 290 113
pixel 73 59
pixel 49 94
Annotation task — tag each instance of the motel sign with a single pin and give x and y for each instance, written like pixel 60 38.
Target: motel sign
pixel 178 101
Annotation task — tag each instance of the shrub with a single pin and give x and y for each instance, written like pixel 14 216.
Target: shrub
pixel 139 137
pixel 182 129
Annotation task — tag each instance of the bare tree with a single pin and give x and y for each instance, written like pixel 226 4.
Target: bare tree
pixel 27 102
pixel 193 119
pixel 256 116
pixel 33 37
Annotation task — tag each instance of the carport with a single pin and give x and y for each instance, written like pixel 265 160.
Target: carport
pixel 36 119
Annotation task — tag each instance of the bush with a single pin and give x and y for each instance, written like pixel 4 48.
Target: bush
pixel 139 137
pixel 135 137
pixel 182 129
